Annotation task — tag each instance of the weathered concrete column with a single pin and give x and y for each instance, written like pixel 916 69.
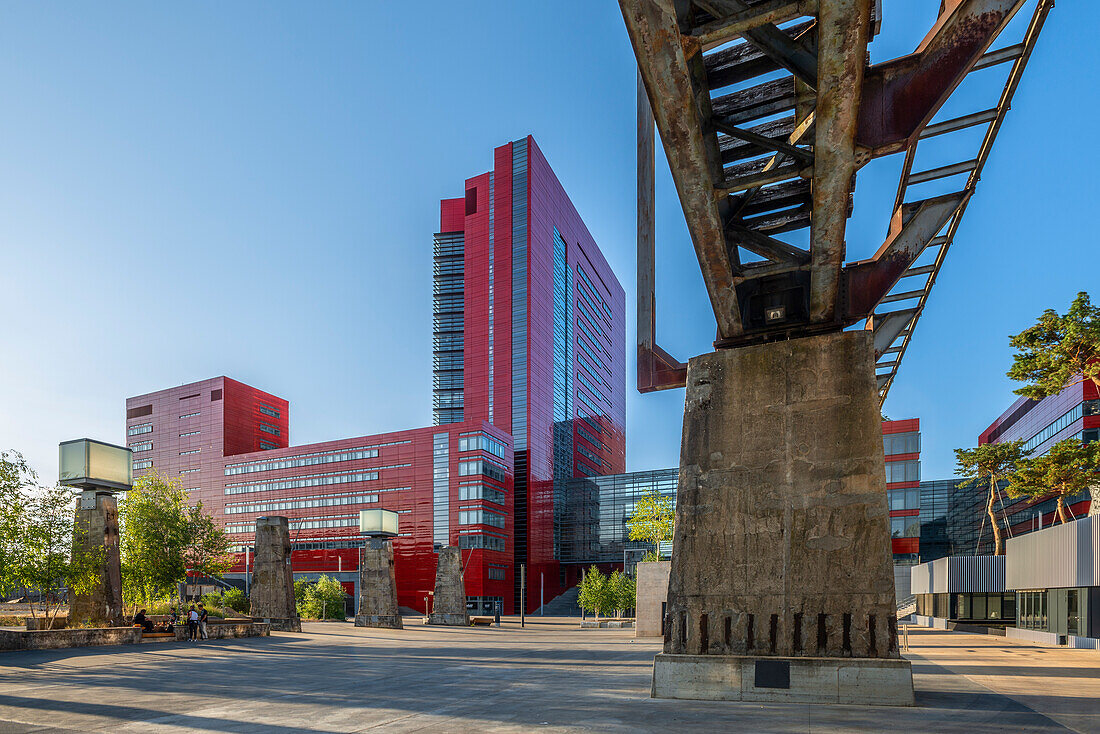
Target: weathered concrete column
pixel 449 602
pixel 97 528
pixel 781 585
pixel 377 587
pixel 272 594
pixel 1094 505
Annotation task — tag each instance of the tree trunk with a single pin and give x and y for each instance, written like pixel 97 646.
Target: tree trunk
pixel 998 541
pixel 1062 510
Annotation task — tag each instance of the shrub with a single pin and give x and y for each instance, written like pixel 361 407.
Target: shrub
pixel 323 599
pixel 237 601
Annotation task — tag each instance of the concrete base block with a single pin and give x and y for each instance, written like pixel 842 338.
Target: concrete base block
pixel 389 621
pixel 794 680
pixel 281 624
pixel 450 620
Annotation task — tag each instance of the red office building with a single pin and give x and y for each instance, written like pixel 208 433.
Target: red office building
pixel 901 445
pixel 530 334
pixel 529 386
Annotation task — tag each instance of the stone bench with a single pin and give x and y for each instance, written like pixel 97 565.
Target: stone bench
pixel 228 630
pixel 482 621
pixel 62 638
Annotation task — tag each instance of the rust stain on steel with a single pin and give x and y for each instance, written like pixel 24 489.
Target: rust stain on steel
pixel 663 372
pixel 842 48
pixel 665 67
pixel 902 95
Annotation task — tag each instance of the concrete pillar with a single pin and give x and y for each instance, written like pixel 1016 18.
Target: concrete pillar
pixel 449 604
pixel 781 585
pixel 97 527
pixel 1094 505
pixel 377 587
pixel 272 593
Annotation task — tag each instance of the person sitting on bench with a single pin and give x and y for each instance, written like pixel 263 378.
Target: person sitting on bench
pixel 141 621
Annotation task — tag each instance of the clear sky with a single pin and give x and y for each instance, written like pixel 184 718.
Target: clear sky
pixel 250 189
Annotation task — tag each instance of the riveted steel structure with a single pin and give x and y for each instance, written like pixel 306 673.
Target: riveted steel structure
pixel 766 110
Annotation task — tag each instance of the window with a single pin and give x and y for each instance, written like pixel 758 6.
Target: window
pixel 188 471
pixel 143 464
pixel 901 443
pixel 137 448
pixel 902 471
pixel 268 410
pixel 332 500
pixel 321 457
pixel 139 412
pixel 480 540
pixel 190 433
pixel 265 446
pixel 268 428
pixel 316 480
pixel 479 491
pixel 497 573
pixel 904 499
pixel 190 415
pixel 192 451
pixel 905 527
pixel 214 395
pixel 483 467
pixel 481 517
pixel 138 430
pixel 481 442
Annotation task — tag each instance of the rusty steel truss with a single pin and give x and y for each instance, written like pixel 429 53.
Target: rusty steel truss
pixel 766 111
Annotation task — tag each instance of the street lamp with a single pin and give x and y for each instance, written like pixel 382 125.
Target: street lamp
pixel 99 470
pixel 95 465
pixel 377 525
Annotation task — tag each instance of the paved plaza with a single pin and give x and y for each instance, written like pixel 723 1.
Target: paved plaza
pixel 550 676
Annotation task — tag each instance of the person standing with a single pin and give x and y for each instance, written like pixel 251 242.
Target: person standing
pixel 202 621
pixel 192 623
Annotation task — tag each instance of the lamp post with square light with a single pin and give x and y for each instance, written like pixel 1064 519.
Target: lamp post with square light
pixel 377 583
pixel 98 470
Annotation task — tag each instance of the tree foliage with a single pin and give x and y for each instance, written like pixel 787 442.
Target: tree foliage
pixel 1058 351
pixel 322 599
pixel 37 552
pixel 163 537
pixel 606 595
pixel 621 592
pixel 1067 469
pixel 652 522
pixel 593 591
pixel 990 462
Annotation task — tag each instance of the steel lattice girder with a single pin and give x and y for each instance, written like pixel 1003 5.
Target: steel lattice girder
pixel 781 155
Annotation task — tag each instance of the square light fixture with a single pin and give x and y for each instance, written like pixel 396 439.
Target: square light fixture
pixel 89 464
pixel 378 523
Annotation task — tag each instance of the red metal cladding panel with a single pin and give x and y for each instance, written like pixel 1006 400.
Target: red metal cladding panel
pixel 451 214
pixel 905 545
pixel 903 426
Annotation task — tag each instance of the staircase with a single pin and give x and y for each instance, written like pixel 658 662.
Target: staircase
pixel 563 605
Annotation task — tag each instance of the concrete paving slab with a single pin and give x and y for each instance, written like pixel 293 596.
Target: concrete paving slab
pixel 549 676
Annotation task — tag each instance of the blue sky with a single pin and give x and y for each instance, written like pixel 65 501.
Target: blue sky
pixel 250 189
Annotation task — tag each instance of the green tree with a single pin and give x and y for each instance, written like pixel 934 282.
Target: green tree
pixel 236 600
pixel 593 591
pixel 37 553
pixel 1067 469
pixel 323 599
pixel 990 462
pixel 620 593
pixel 1058 351
pixel 163 537
pixel 652 522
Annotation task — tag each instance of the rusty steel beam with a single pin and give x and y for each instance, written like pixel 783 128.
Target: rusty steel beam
pixel 740 22
pixel 911 229
pixel 842 31
pixel 665 62
pixel 902 95
pixel 772 42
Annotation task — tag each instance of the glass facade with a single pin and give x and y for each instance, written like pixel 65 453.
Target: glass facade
pixel 447 327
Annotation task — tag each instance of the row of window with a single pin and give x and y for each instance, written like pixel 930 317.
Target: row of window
pixel 143 464
pixel 595 292
pixel 902 471
pixel 901 443
pixel 481 540
pixel 904 499
pixel 316 480
pixel 333 500
pixel 268 428
pixel 1033 610
pixel 481 517
pixel 138 430
pixel 497 573
pixel 590 438
pixel 190 433
pixel 137 448
pixel 1086 408
pixel 483 467
pixel 192 451
pixel 190 415
pixel 188 471
pixel 905 527
pixel 321 457
pixel 267 446
pixel 268 410
pixel 479 491
pixel 305 524
pixel 481 442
